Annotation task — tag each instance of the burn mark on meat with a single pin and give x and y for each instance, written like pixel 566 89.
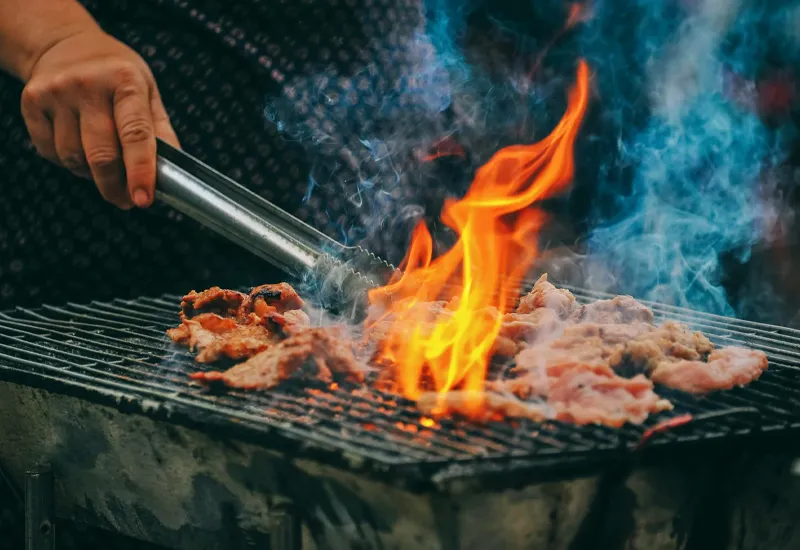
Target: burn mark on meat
pixel 269 294
pixel 323 501
pixel 281 296
pixel 213 300
pixel 628 368
pixel 276 324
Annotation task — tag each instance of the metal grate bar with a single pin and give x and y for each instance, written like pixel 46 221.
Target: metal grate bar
pixel 121 347
pixel 675 312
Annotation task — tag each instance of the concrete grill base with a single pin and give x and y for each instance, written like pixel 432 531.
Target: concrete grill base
pixel 180 488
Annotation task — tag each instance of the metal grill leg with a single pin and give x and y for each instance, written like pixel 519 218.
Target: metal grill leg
pixel 40 528
pixel 286 530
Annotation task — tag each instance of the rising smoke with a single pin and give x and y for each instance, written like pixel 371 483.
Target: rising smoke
pixel 698 154
pixel 391 138
pixel 678 188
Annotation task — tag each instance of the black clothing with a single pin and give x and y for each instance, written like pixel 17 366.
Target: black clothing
pixel 217 64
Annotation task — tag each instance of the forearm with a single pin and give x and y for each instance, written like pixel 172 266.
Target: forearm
pixel 28 28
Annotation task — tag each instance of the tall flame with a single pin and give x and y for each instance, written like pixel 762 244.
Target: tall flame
pixel 497 231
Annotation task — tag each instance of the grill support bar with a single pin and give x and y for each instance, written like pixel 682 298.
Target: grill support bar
pixel 39 509
pixel 285 532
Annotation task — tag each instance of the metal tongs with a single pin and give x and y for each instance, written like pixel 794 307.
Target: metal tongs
pixel 341 273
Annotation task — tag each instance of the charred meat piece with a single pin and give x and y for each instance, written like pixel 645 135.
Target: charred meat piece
pixel 579 395
pixel 571 361
pixel 218 322
pixel 296 319
pixel 725 368
pixel 521 329
pixel 540 323
pixel 503 346
pixel 620 309
pixel 214 300
pixel 262 300
pixel 546 295
pixel 587 393
pixel 213 337
pixel 283 324
pixel 668 342
pixel 574 374
pixel 638 345
pixel 591 345
pixel 609 334
pixel 323 353
pixel 582 396
pixel 281 297
pixel 182 334
pixel 548 361
pixel 536 367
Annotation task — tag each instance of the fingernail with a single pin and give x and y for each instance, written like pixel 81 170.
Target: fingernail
pixel 141 198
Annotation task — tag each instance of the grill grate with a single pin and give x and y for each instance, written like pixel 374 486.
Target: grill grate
pixel 118 352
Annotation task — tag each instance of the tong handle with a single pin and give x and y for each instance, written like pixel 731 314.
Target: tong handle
pixel 236 213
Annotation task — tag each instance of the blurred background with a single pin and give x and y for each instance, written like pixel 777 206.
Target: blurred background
pixel 362 117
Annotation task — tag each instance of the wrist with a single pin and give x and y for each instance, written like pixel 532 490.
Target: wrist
pixel 44 39
pixel 28 28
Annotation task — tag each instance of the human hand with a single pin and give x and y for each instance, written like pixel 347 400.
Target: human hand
pixel 91 105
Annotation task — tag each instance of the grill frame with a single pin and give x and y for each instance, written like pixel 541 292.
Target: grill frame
pixel 557 451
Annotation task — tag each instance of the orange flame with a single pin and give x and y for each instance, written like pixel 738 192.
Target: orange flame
pixel 451 347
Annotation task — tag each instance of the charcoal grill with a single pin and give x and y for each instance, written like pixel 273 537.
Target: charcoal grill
pixel 108 396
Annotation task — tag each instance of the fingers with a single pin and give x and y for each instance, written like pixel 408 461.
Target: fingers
pixel 86 144
pixel 106 132
pixel 103 153
pixel 137 136
pixel 161 119
pixel 67 137
pixel 39 126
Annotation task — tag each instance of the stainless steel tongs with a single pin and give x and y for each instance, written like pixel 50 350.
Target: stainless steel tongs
pixel 264 229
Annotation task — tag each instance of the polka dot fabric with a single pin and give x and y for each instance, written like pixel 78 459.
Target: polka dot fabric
pixel 217 65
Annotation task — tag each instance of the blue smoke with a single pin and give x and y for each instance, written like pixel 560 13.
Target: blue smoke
pixel 696 156
pixel 361 130
pixel 673 158
pixel 367 131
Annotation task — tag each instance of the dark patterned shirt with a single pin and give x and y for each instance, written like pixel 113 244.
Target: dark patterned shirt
pixel 333 110
pixel 318 64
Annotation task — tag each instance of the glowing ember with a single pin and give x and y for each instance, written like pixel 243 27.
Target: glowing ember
pixel 497 229
pixel 427 422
